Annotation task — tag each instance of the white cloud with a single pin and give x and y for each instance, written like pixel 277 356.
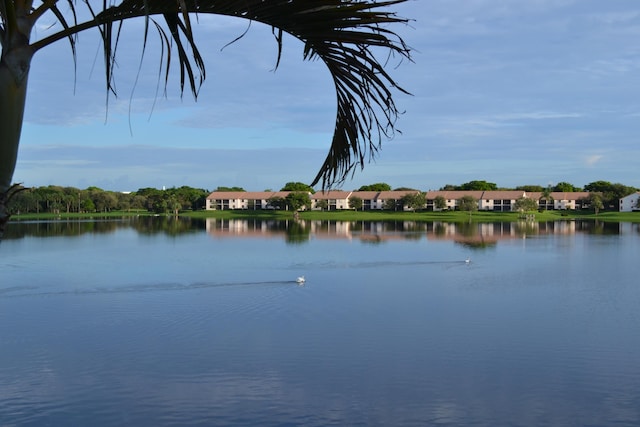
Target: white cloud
pixel 510 91
pixel 593 159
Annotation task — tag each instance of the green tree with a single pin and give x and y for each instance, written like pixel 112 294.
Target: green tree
pixel 124 201
pixel 70 198
pixel 469 204
pixel 230 189
pixel 390 205
pixel 322 204
pixel 478 186
pixel 104 201
pixel 173 205
pixel 475 185
pixel 595 201
pixel 346 35
pixel 192 198
pixel 600 186
pixel 414 201
pixel 154 199
pixel 87 205
pixel 439 202
pixel 611 193
pixel 379 186
pixel 296 200
pixel 49 198
pixel 138 201
pixel 530 188
pixel 277 202
pixel 297 186
pixel 355 203
pixel 565 187
pixel 525 204
pixel 547 197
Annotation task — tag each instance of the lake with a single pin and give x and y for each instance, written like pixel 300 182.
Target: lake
pixel 165 322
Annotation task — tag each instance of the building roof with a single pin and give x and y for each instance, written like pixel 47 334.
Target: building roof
pixel 384 195
pixel 575 195
pixel 454 194
pixel 503 194
pixel 366 195
pixel 246 195
pixel 331 195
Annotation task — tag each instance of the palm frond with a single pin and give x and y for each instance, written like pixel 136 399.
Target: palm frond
pixel 346 35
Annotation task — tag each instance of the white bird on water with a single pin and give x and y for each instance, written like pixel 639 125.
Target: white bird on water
pixel 467 261
pixel 300 279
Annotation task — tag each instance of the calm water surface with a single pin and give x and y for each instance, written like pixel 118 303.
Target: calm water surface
pixel 153 323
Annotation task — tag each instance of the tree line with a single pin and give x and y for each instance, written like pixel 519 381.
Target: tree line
pixel 57 199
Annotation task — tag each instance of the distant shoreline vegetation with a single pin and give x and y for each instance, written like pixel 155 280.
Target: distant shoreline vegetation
pixel 57 202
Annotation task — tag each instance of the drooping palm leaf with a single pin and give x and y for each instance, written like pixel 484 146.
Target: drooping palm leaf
pixel 346 35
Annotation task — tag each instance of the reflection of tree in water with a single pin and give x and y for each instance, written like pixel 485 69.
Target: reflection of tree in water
pixel 472 235
pixel 324 226
pixel 481 244
pixel 605 228
pixel 68 228
pixel 372 239
pixel 598 227
pixel 356 225
pixel 439 229
pixel 467 229
pixel 170 225
pixel 526 228
pixel 298 232
pixel 415 230
pixel 468 234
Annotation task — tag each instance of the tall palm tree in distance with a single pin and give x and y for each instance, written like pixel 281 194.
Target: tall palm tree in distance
pixel 546 196
pixel 346 35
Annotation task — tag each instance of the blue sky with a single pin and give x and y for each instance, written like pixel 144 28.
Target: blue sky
pixel 512 92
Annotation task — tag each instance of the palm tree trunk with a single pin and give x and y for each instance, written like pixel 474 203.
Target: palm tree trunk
pixel 14 69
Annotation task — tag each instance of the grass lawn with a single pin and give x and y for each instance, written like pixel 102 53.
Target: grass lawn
pixel 446 216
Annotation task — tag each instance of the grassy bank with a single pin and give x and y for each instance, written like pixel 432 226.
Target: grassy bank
pixel 74 215
pixel 446 216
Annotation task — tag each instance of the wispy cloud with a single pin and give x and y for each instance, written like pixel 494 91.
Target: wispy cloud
pixel 515 92
pixel 593 159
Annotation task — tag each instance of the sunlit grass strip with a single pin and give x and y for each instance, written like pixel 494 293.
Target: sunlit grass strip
pixel 446 216
pixel 83 215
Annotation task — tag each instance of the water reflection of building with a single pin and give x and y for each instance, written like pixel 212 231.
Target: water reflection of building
pixel 379 231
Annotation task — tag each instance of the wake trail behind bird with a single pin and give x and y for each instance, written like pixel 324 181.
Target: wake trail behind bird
pixel 373 264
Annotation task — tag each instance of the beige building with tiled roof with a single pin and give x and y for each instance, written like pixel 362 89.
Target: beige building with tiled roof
pixel 335 200
pixel 252 200
pixel 451 198
pixel 500 200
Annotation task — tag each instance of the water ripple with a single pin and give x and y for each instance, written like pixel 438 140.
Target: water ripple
pixel 20 291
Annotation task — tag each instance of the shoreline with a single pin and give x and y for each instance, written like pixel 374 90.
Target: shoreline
pixel 420 216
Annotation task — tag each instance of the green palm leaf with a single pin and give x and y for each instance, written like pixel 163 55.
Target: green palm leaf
pixel 346 35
